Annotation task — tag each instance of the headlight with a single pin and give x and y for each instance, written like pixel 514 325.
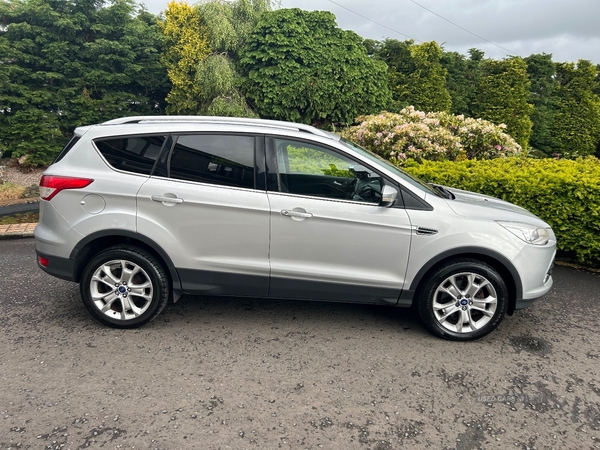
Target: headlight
pixel 528 233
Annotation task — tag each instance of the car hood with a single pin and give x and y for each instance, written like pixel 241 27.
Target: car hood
pixel 471 204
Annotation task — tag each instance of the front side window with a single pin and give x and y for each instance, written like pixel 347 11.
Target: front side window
pixel 215 159
pixel 133 154
pixel 309 169
pixel 405 176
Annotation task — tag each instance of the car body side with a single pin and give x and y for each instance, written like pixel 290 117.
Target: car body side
pixel 434 231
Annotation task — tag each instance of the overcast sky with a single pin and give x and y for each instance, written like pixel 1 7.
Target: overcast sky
pixel 568 29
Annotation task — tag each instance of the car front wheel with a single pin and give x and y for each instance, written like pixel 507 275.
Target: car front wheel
pixel 462 300
pixel 124 287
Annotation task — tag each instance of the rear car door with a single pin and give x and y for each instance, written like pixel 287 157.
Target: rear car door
pixel 330 239
pixel 203 206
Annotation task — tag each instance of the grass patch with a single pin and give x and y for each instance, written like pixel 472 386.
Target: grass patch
pixel 11 191
pixel 29 217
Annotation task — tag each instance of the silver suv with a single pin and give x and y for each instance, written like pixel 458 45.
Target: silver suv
pixel 141 210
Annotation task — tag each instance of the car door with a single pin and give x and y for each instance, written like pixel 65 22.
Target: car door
pixel 202 206
pixel 330 239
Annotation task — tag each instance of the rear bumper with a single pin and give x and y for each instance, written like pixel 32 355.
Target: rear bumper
pixel 59 267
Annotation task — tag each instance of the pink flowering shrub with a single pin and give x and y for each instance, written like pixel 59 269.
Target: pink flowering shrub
pixel 436 136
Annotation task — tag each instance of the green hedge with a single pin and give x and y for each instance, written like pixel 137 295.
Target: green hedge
pixel 564 193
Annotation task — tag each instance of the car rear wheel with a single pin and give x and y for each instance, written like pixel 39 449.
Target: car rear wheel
pixel 462 300
pixel 124 287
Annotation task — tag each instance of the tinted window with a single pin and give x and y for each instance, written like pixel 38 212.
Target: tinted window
pixel 133 154
pixel 308 169
pixel 214 159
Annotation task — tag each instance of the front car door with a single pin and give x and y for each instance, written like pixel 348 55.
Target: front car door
pixel 330 239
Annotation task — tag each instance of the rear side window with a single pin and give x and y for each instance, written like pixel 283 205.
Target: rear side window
pixel 215 159
pixel 133 154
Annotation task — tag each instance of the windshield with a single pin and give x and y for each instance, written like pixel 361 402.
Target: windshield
pixel 392 168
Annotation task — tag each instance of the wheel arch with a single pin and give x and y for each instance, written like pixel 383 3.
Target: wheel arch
pixel 96 242
pixel 500 263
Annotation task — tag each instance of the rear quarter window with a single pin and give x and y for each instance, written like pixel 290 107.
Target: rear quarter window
pixel 135 154
pixel 67 148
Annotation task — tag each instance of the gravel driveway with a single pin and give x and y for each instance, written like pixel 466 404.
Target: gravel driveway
pixel 240 373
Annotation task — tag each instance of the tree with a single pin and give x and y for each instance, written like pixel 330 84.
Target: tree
pixel 462 79
pixel 542 74
pixel 400 63
pixel 201 52
pixel 228 24
pixel 186 45
pixel 65 63
pixel 426 87
pixel 416 75
pixel 299 66
pixel 218 83
pixel 575 127
pixel 502 95
pixel 597 83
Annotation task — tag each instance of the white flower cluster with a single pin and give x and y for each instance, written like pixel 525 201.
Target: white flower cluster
pixel 436 136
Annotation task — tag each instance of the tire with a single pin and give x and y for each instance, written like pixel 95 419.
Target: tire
pixel 462 300
pixel 124 287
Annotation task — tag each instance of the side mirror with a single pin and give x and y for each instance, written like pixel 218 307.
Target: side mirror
pixel 388 196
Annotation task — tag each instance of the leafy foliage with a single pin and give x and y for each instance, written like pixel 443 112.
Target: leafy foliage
pixel 229 23
pixel 65 63
pixel 463 77
pixel 575 128
pixel 564 193
pixel 502 94
pixel 186 45
pixel 299 66
pixel 416 75
pixel 219 83
pixel 542 74
pixel 201 54
pixel 415 135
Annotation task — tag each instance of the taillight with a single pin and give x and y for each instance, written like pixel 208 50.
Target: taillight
pixel 51 185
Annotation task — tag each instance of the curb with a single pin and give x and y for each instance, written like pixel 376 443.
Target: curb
pixel 19 208
pixel 17 231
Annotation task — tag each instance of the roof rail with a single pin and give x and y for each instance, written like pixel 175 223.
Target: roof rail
pixel 223 120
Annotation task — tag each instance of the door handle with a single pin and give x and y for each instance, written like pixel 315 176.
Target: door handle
pixel 303 215
pixel 166 199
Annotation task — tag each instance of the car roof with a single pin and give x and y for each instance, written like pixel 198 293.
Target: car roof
pixel 261 124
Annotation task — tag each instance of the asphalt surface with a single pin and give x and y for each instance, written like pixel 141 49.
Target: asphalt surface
pixel 239 373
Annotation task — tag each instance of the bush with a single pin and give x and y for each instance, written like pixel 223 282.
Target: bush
pixel 564 193
pixel 436 136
